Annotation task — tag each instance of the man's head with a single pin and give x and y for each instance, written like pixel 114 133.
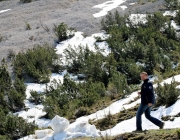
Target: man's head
pixel 144 75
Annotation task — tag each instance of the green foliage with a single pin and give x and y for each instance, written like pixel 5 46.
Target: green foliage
pixel 82 60
pixel 172 4
pixel 177 18
pixel 63 32
pixel 36 97
pixel 12 95
pixel 167 94
pixel 111 120
pixel 28 27
pixel 16 99
pixel 152 46
pixel 5 79
pixel 117 85
pixel 37 63
pixel 67 98
pixel 82 111
pixel 14 127
pixel 156 21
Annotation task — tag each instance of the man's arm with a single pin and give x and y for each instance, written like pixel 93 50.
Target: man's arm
pixel 150 94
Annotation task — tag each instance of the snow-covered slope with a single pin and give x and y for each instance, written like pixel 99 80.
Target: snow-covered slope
pixel 81 127
pixel 79 39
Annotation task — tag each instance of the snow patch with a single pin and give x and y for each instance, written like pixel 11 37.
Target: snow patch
pixel 107 6
pixel 138 18
pixel 43 133
pixel 170 13
pixel 59 124
pixel 132 3
pixel 123 7
pixel 2 11
pixel 174 25
pixel 80 40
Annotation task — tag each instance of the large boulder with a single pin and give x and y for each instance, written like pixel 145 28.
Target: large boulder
pixel 59 124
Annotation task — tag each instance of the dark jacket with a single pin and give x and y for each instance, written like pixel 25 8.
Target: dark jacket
pixel 147 93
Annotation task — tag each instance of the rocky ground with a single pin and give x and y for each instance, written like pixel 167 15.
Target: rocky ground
pixel 41 15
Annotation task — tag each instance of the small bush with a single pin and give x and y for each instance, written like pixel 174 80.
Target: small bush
pixel 28 27
pixel 167 94
pixel 35 97
pixel 106 123
pixel 36 63
pixel 26 1
pixel 82 111
pixel 172 4
pixel 63 32
pixel 0 1
pixel 16 127
pixel 1 37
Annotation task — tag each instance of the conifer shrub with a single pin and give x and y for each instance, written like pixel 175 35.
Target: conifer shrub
pixel 26 1
pixel 63 32
pixel 82 111
pixel 72 99
pixel 167 94
pixel 172 4
pixel 28 26
pixel 1 37
pixel 12 95
pixel 177 18
pixel 150 46
pixel 15 127
pixel 38 63
pixel 36 97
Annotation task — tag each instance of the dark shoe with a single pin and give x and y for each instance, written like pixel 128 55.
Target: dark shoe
pixel 161 125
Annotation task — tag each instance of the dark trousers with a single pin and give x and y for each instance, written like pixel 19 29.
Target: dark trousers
pixel 147 110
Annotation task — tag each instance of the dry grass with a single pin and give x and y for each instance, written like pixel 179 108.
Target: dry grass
pixel 103 103
pixel 171 118
pixel 166 134
pixel 111 120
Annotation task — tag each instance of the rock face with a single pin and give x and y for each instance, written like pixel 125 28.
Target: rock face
pixel 59 124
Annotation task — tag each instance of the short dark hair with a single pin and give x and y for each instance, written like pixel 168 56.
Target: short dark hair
pixel 144 73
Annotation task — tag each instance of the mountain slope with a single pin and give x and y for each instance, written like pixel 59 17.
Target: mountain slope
pixel 40 15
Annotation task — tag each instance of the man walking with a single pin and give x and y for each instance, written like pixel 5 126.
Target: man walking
pixel 147 100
